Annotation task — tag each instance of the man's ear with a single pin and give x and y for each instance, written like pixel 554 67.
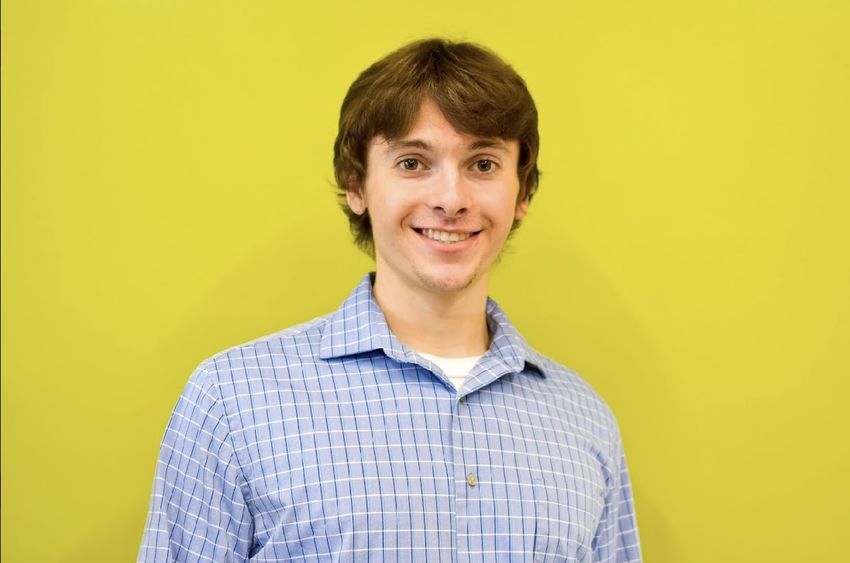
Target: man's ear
pixel 521 208
pixel 354 196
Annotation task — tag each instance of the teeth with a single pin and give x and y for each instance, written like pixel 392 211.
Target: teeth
pixel 444 236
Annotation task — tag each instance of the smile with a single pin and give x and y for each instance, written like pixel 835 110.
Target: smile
pixel 445 236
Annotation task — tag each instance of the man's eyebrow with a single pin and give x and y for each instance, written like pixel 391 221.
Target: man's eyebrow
pixel 398 144
pixel 489 143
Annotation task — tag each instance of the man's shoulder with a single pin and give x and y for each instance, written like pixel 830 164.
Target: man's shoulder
pixel 562 376
pixel 574 394
pixel 281 350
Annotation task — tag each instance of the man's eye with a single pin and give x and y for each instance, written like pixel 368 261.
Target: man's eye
pixel 484 165
pixel 409 164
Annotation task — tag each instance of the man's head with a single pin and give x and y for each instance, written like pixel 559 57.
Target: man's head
pixel 477 92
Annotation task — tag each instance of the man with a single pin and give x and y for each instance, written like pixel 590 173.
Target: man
pixel 414 423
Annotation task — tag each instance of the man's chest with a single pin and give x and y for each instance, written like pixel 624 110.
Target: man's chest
pixel 346 470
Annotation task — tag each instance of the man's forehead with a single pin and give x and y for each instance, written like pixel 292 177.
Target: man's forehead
pixel 431 129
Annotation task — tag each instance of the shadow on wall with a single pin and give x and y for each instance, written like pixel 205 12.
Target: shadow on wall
pixel 657 536
pixel 118 541
pixel 304 271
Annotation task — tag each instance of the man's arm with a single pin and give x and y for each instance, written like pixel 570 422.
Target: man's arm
pixel 616 539
pixel 198 510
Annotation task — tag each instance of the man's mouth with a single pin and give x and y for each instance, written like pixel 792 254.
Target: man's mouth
pixel 446 236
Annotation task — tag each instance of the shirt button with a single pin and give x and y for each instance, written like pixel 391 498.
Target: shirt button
pixel 462 400
pixel 471 479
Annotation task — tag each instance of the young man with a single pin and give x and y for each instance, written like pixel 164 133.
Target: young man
pixel 414 423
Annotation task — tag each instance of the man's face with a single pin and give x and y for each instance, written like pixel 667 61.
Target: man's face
pixel 441 204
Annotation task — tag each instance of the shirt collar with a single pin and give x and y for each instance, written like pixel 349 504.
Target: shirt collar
pixel 359 326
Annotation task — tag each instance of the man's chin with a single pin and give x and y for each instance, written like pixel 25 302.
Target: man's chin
pixel 448 282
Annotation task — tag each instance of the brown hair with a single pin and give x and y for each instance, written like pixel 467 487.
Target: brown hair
pixel 478 93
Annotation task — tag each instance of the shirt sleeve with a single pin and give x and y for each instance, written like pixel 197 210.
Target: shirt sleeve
pixel 198 510
pixel 616 539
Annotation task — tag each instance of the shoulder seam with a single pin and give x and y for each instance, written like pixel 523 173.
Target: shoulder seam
pixel 283 333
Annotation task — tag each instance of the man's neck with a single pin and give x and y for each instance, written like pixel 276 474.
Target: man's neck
pixel 451 324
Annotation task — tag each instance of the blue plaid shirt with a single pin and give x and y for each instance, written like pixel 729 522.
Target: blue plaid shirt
pixel 332 440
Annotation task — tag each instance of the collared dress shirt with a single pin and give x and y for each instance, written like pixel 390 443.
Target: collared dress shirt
pixel 333 441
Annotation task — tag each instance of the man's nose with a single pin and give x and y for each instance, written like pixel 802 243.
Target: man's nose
pixel 450 196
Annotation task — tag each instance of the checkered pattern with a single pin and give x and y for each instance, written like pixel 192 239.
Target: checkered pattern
pixel 334 441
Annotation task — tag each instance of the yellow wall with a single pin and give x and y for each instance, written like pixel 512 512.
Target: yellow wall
pixel 166 193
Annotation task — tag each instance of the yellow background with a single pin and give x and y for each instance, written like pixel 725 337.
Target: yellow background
pixel 166 193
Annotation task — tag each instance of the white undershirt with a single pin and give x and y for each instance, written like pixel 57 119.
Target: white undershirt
pixel 457 369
